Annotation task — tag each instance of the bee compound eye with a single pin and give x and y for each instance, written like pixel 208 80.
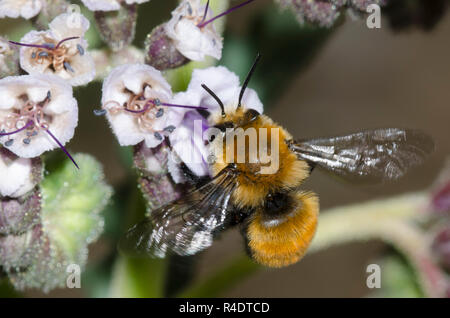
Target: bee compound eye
pixel 251 115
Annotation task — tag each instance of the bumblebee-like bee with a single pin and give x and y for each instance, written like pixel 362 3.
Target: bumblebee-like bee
pixel 278 219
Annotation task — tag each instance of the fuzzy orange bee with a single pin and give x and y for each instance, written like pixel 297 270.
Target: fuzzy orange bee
pixel 264 197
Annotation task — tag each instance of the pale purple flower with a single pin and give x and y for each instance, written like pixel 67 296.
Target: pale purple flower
pixel 188 140
pixel 136 99
pixel 37 113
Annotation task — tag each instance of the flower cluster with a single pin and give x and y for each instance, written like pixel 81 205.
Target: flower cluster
pixel 325 12
pixel 39 113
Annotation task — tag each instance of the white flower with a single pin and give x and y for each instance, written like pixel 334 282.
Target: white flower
pixel 133 97
pixel 20 8
pixel 61 50
pixel 190 39
pixel 225 84
pixel 17 175
pixel 36 112
pixel 108 5
pixel 188 141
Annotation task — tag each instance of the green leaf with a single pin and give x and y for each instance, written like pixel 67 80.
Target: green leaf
pixel 72 202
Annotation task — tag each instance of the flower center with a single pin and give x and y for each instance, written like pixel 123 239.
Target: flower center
pixel 30 119
pixel 57 55
pixel 145 109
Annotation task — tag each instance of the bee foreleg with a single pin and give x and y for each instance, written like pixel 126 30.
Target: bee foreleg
pixel 191 178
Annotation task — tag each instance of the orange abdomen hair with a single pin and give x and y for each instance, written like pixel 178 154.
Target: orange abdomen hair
pixel 285 242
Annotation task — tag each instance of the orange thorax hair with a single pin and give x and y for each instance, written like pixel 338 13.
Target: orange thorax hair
pixel 254 186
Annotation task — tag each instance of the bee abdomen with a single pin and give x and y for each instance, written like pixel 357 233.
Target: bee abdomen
pixel 283 241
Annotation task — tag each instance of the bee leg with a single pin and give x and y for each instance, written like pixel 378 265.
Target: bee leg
pixel 193 179
pixel 311 165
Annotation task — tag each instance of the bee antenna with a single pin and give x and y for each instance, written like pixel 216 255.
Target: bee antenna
pixel 206 88
pixel 247 80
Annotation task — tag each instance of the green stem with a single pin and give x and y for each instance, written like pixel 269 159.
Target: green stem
pixel 231 274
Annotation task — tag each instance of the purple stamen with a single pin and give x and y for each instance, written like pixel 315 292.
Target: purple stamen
pixel 157 102
pixel 47 46
pixel 66 39
pixel 146 107
pixel 203 24
pixel 206 12
pixel 39 46
pixel 62 147
pixel 29 123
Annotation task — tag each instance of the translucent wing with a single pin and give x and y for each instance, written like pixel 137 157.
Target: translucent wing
pixel 372 155
pixel 185 226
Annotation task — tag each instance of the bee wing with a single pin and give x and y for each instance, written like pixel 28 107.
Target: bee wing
pixel 372 155
pixel 187 225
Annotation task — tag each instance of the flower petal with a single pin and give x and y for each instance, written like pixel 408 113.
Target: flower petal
pixel 20 8
pixel 188 143
pixel 102 5
pixel 17 175
pixel 193 42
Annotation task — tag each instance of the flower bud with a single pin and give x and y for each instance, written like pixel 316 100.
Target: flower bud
pixel 19 175
pixel 440 195
pixel 161 52
pixel 9 59
pixel 325 12
pixel 441 247
pixel 117 28
pixel 72 201
pixel 17 252
pixel 21 214
pixel 154 181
